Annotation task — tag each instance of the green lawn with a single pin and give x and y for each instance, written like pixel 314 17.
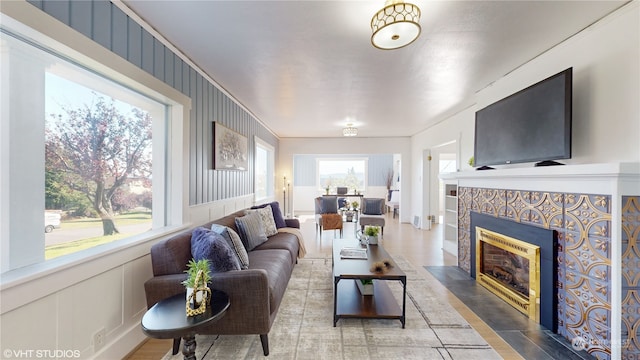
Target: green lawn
pixel 54 251
pixel 122 219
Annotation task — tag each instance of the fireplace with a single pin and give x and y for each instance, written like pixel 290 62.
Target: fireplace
pixel 509 268
pixel 514 252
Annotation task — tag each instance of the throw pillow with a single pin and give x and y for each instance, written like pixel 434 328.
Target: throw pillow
pixel 233 239
pixel 251 230
pixel 373 206
pixel 266 216
pixel 329 204
pixel 277 215
pixel 206 244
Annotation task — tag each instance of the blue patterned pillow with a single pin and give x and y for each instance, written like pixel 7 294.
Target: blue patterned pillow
pixel 251 230
pixel 206 244
pixel 233 239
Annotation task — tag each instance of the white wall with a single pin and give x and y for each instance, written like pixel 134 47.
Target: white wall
pixel 606 91
pixel 358 145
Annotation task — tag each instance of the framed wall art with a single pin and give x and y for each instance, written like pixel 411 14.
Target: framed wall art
pixel 229 149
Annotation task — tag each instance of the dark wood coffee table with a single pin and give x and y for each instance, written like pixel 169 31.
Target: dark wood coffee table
pixel 168 320
pixel 348 302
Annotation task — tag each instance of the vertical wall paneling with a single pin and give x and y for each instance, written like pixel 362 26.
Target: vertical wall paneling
pixel 101 23
pixel 158 59
pixel 134 47
pixel 177 74
pixel 119 37
pixel 186 80
pixel 80 17
pixel 168 66
pixel 112 28
pixel 58 9
pixel 147 52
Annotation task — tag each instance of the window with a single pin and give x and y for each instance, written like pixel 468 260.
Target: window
pixel 264 170
pixel 83 159
pixel 350 173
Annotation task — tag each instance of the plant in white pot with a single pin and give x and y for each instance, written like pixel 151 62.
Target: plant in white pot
pixel 198 277
pixel 365 286
pixel 372 234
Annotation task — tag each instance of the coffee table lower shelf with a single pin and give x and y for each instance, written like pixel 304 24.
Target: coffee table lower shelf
pixel 350 303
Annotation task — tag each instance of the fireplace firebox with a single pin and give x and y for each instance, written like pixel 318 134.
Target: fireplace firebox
pixel 510 269
pixel 516 266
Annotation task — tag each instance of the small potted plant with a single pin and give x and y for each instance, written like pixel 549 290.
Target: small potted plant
pixel 372 234
pixel 193 268
pixel 365 286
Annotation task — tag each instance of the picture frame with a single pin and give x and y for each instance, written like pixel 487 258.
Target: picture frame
pixel 229 149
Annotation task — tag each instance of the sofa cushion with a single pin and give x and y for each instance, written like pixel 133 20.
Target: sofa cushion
pixel 207 244
pixel 251 230
pixel 282 241
pixel 233 239
pixel 266 217
pixel 278 267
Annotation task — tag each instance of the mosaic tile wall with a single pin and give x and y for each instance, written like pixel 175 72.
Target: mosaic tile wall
pixel 584 263
pixel 630 277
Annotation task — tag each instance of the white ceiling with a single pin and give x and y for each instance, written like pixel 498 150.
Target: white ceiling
pixel 307 68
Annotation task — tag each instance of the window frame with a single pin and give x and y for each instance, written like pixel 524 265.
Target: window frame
pixel 270 175
pixel 80 50
pixel 365 160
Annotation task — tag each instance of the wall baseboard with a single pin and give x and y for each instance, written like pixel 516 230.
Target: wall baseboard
pixel 124 345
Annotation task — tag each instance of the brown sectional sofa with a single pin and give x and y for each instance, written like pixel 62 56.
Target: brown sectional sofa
pixel 254 294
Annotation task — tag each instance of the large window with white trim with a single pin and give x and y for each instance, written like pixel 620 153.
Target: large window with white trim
pixel 344 172
pixel 264 170
pixel 83 158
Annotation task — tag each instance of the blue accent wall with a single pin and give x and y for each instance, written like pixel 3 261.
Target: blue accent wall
pixel 110 27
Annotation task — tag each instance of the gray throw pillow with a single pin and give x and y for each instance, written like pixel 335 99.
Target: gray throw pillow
pixel 206 244
pixel 251 230
pixel 373 206
pixel 329 204
pixel 233 239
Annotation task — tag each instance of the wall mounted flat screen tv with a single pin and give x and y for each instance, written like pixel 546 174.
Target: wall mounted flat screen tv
pixel 532 125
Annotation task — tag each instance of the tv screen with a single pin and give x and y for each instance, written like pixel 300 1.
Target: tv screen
pixel 532 125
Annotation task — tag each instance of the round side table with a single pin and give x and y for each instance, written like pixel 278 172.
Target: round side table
pixel 168 320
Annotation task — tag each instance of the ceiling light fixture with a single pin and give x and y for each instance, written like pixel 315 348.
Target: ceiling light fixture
pixel 396 25
pixel 350 130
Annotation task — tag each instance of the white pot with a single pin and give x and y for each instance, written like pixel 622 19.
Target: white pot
pixel 364 289
pixel 199 295
pixel 372 240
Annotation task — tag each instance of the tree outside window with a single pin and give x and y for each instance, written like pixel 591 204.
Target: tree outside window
pixel 350 173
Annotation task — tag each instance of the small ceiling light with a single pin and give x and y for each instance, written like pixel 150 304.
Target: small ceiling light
pixel 350 130
pixel 396 25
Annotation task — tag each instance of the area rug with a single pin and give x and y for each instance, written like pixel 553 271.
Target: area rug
pixel 304 328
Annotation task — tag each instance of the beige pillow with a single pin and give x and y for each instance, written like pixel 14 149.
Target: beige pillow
pixel 268 223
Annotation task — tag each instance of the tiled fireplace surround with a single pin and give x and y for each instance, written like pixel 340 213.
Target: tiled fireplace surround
pixel 596 211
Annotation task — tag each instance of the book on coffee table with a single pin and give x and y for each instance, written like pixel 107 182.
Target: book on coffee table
pixel 353 253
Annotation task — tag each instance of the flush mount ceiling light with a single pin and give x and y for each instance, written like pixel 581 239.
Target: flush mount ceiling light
pixel 396 25
pixel 350 130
